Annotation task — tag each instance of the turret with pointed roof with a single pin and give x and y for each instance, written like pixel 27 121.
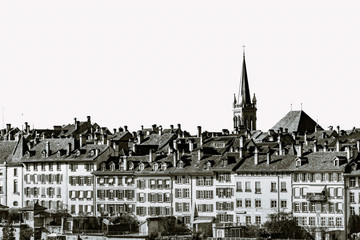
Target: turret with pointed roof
pixel 244 110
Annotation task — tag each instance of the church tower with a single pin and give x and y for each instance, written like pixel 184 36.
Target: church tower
pixel 244 109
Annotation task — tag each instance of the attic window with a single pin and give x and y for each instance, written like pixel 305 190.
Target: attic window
pixel 27 154
pixel 155 167
pixel 131 166
pixel 43 153
pixel 336 162
pixel 92 152
pixel 225 163
pixel 58 154
pixel 121 167
pixel 163 166
pixel 141 167
pixel 180 164
pixel 208 166
pixel 298 163
pixel 77 152
pixel 103 167
pixel 112 166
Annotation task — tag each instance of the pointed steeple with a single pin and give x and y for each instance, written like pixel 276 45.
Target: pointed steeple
pixel 244 91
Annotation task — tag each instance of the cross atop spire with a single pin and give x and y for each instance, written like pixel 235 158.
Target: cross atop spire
pixel 244 93
pixel 243 46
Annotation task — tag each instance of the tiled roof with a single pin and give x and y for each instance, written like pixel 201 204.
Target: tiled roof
pixel 6 150
pixel 277 163
pixel 297 121
pixel 321 161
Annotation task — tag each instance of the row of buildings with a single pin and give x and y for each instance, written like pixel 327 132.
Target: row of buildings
pixel 230 178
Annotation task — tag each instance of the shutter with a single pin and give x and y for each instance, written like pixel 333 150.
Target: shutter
pixel 98 193
pixel 232 206
pixel 212 207
pixel 232 192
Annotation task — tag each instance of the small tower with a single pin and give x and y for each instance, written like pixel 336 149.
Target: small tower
pixel 244 109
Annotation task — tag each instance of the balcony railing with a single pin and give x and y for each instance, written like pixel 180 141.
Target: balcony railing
pixel 316 197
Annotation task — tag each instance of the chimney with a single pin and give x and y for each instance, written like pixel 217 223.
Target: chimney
pixel 88 119
pixel 114 130
pixel 68 149
pixel 75 123
pixel 348 153
pixel 125 163
pixel 134 148
pixel 294 135
pixel 154 127
pixel 191 145
pixel 160 130
pixel 268 158
pixel 172 128
pixel 354 152
pixel 241 152
pixel 175 145
pixel 280 147
pixel 179 126
pixel 358 145
pixel 338 130
pixel 27 128
pixel 325 146
pixel 338 146
pixel 142 127
pixel 82 140
pixel 315 146
pixel 8 127
pixel 108 143
pixel 116 148
pixel 121 129
pixel 140 137
pixel 151 156
pixel 175 158
pixel 286 130
pixel 281 130
pixel 170 150
pixel 97 152
pixel 47 148
pixel 199 154
pixel 305 138
pixel 324 134
pixel 241 141
pixel 134 135
pixel 104 138
pixel 300 150
pixel 125 128
pixel 231 149
pixel 256 156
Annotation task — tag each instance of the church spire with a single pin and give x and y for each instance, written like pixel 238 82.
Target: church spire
pixel 244 89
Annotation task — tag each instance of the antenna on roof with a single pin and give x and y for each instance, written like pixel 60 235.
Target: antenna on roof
pixel 291 107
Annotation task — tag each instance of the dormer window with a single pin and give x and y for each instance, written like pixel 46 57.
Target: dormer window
pixel 208 166
pixel 92 152
pixel 58 154
pixel 43 153
pixel 155 167
pixel 121 166
pixel 131 165
pixel 77 152
pixel 298 163
pixel 163 166
pixel 336 162
pixel 180 164
pixel 27 154
pixel 112 166
pixel 225 163
pixel 103 167
pixel 142 166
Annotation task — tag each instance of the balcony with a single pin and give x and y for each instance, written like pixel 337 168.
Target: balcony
pixel 316 197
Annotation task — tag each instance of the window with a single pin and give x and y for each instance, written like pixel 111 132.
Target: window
pixel 283 204
pixel 352 210
pixel 352 182
pixel 257 203
pixel 312 221
pixel 239 203
pixel 239 186
pixel 58 166
pixel 208 181
pixel 338 222
pixel 15 186
pixel 257 187
pixel 331 207
pixel 72 209
pixel 248 220
pixel 305 207
pixel 313 207
pixel 258 220
pixel 15 172
pixel 352 197
pixel 247 187
pixel 248 203
pixel 186 193
pixel 331 221
pixel 283 187
pixel 273 203
pixel 43 167
pixel 50 166
pixel 35 166
pixel 322 221
pixel 273 187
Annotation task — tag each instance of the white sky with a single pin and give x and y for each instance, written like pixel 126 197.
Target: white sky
pixel 166 62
